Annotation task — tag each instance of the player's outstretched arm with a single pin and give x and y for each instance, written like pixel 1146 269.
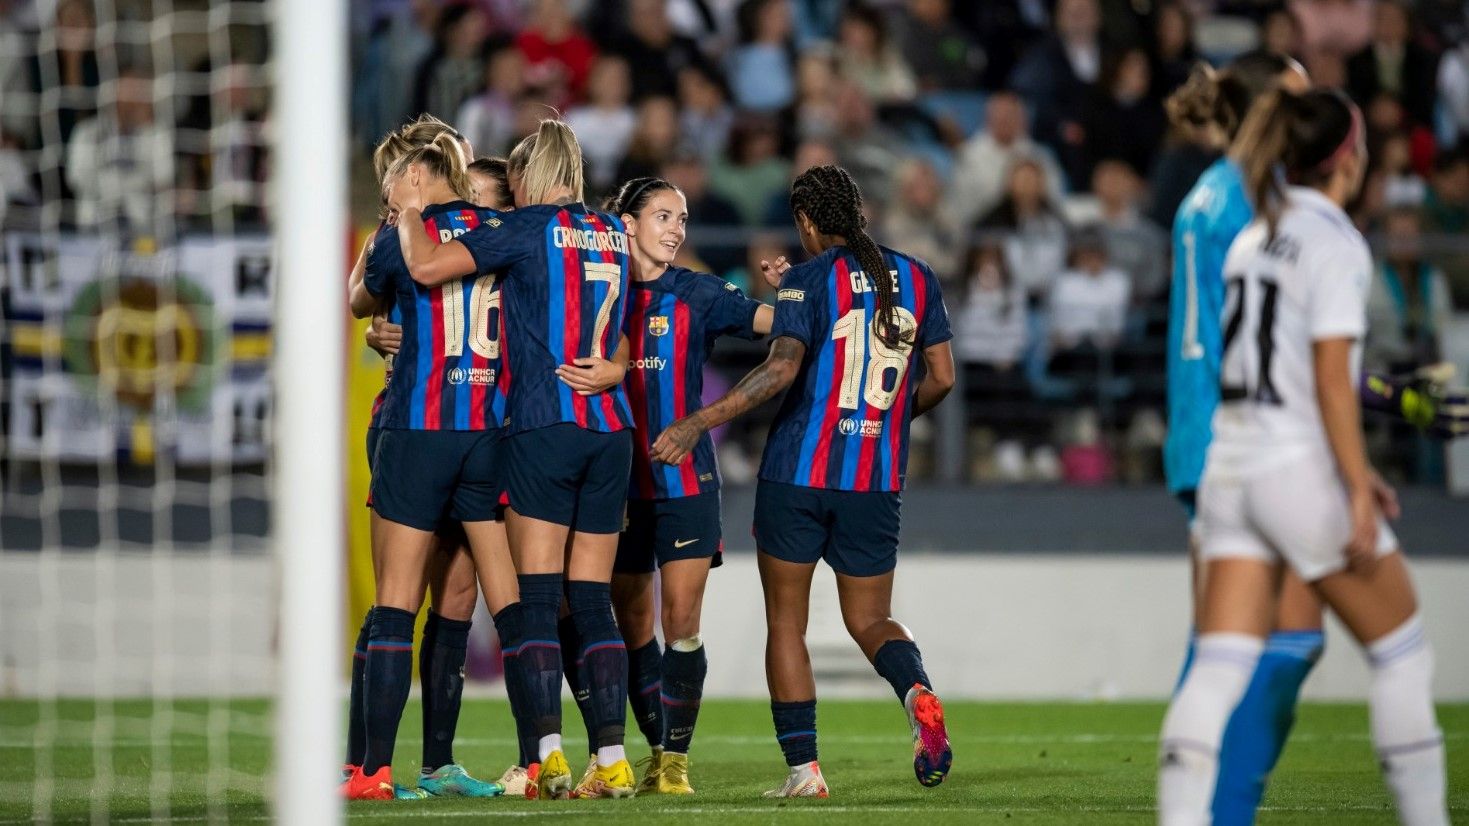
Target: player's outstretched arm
pixel 1421 398
pixel 772 376
pixel 431 264
pixel 936 384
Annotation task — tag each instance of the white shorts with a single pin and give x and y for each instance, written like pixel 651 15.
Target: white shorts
pixel 1297 512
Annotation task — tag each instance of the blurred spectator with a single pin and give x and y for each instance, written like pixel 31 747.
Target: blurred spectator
pixel 866 56
pixel 231 178
pixel 16 89
pixel 488 119
pixel 655 53
pixel 983 164
pixel 1453 92
pixel 74 63
pixel 1121 119
pixel 1088 303
pixel 120 163
pixel 916 221
pixel 1032 227
pixel 454 70
pixel 1331 28
pixel 1446 211
pixel 1395 64
pixel 15 176
pixel 942 55
pixel 1403 185
pixel 760 66
pixel 1178 166
pixel 864 145
pixel 385 72
pixel 1280 33
pixel 814 113
pixel 711 217
pixel 992 329
pixel 1409 305
pixel 808 153
pixel 1005 30
pixel 1054 74
pixel 1134 244
pixel 557 54
pixel 655 138
pixel 706 115
pixel 752 169
pixel 605 123
pixel 1173 55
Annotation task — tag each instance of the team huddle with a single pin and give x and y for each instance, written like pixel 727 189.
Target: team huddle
pixel 542 436
pixel 542 440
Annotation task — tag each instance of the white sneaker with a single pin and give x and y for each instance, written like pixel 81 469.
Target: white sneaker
pixel 803 781
pixel 514 780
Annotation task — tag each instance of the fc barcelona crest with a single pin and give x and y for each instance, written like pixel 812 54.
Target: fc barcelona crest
pixel 658 325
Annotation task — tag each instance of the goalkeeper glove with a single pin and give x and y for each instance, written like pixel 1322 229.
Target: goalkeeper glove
pixel 1422 398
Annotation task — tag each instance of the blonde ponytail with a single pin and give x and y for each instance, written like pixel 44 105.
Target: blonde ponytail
pixel 553 162
pixel 1261 146
pixel 443 158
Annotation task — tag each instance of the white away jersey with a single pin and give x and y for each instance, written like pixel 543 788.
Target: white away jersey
pixel 1308 283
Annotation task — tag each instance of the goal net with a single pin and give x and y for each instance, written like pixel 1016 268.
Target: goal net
pixel 156 462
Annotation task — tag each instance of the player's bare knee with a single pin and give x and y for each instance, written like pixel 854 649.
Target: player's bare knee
pixel 680 620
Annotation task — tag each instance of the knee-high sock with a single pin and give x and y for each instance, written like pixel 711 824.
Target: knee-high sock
pixel 899 662
pixel 441 675
pixel 389 672
pixel 684 668
pixel 540 652
pixel 356 722
pixel 510 628
pixel 1194 725
pixel 795 730
pixel 1404 727
pixel 644 684
pixel 604 659
pixel 1258 729
pixel 576 678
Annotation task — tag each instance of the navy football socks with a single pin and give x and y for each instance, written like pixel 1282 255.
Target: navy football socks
pixel 571 663
pixel 683 688
pixel 795 730
pixel 603 659
pixel 540 651
pixel 356 722
pixel 389 672
pixel 644 682
pixel 899 662
pixel 509 628
pixel 441 673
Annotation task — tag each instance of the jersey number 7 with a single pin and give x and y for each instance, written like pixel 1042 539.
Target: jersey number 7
pixel 611 274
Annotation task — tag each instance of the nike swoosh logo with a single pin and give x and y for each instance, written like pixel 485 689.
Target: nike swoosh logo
pixel 681 543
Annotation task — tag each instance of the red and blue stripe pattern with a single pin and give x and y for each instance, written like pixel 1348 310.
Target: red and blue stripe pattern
pixel 815 441
pixel 663 385
pixel 431 389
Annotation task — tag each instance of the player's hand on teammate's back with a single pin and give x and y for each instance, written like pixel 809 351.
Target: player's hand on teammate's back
pixel 1362 547
pixel 772 271
pixel 676 442
pixel 384 336
pixel 590 376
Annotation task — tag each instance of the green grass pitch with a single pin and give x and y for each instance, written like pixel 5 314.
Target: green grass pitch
pixel 1020 763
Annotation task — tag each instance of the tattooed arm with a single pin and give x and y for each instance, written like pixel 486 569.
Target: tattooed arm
pixel 774 375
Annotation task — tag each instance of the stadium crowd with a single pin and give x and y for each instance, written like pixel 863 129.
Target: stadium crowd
pixel 1020 146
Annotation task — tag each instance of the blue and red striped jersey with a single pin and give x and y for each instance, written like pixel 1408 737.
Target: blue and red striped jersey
pixel 565 293
pixel 672 322
pixel 394 317
pixel 446 374
pixel 844 422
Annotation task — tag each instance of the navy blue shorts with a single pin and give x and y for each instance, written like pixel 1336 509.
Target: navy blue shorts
pixel 421 477
pixel 855 532
pixel 569 476
pixel 665 530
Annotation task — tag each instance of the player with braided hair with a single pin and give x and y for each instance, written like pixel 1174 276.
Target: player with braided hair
pixel 862 333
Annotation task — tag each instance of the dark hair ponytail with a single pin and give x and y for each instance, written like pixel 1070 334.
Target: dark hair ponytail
pixel 633 195
pixel 1296 139
pixel 830 199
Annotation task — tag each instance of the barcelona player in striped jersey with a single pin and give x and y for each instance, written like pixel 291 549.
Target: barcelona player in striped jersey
pixel 435 453
pixel 862 333
pixel 568 449
pixel 674 317
pixel 451 570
